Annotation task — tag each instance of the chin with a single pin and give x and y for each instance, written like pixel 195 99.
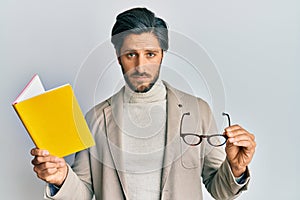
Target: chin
pixel 140 87
pixel 143 88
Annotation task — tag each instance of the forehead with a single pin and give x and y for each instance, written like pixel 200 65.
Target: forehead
pixel 141 41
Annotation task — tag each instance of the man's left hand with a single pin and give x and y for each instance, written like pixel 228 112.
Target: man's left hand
pixel 240 148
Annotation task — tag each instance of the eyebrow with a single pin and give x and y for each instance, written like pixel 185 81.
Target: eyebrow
pixel 147 50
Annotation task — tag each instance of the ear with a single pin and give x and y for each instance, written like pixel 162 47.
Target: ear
pixel 162 55
pixel 119 61
pixel 119 58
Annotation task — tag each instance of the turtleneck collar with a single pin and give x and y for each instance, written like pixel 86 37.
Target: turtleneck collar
pixel 156 93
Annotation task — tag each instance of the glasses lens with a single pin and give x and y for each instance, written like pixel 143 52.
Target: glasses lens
pixel 192 139
pixel 217 140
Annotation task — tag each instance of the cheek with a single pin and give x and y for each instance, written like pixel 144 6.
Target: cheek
pixel 126 65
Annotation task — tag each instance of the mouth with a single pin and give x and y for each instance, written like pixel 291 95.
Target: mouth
pixel 140 77
pixel 140 82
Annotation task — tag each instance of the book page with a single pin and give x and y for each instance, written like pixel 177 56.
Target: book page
pixel 33 88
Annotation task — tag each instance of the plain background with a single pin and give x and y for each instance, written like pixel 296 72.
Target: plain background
pixel 254 44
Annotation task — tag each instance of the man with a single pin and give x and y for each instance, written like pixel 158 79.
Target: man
pixel 141 149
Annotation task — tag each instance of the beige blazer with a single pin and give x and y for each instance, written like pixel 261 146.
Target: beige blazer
pixel 98 171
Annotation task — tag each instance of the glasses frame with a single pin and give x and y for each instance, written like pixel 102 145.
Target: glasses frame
pixel 201 137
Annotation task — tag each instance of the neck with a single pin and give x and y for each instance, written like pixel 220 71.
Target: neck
pixel 156 93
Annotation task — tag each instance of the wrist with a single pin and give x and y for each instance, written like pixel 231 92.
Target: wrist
pixel 59 183
pixel 238 170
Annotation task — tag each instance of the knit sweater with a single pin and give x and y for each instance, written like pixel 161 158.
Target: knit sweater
pixel 143 140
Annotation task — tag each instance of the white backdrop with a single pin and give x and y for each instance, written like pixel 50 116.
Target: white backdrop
pixel 253 44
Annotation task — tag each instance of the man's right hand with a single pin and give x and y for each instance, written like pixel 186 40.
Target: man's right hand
pixel 49 168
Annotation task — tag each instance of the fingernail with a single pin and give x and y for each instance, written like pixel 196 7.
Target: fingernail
pixel 45 153
pixel 231 140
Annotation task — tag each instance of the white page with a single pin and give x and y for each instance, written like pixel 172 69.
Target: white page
pixel 33 88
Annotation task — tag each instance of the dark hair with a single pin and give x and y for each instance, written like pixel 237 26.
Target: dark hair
pixel 137 21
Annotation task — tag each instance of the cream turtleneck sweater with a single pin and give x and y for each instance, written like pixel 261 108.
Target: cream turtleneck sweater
pixel 143 140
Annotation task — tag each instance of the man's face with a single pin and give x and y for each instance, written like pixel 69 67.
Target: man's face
pixel 140 58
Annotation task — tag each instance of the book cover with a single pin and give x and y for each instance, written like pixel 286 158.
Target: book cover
pixel 53 118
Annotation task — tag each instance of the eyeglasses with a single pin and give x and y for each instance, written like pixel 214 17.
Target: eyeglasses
pixel 194 139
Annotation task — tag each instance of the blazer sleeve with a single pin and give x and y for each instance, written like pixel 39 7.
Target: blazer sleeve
pixel 220 181
pixel 78 183
pixel 77 186
pixel 216 172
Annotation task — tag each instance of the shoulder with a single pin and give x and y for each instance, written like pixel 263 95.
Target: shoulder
pixel 198 107
pixel 184 97
pixel 97 110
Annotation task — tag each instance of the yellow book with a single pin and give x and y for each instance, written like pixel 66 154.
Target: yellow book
pixel 53 118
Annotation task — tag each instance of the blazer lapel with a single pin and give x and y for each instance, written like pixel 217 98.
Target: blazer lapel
pixel 114 119
pixel 172 148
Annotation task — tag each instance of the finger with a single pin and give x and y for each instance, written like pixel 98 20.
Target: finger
pixel 39 152
pixel 244 143
pixel 49 165
pixel 235 132
pixel 42 159
pixel 233 127
pixel 49 168
pixel 238 131
pixel 249 144
pixel 52 175
pixel 44 171
pixel 240 137
pixel 44 174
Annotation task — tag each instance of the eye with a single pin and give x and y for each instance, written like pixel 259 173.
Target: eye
pixel 151 54
pixel 131 55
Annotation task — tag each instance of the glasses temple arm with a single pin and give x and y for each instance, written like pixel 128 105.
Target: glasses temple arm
pixel 228 117
pixel 188 113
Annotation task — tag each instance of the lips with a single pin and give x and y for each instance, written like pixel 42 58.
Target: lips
pixel 140 76
pixel 140 79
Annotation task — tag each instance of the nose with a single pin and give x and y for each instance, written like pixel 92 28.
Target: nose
pixel 140 64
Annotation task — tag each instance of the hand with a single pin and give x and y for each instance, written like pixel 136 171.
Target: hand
pixel 240 148
pixel 49 168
